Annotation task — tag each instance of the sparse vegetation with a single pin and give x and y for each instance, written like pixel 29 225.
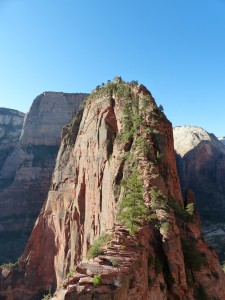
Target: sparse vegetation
pixel 134 82
pixel 184 214
pixel 13 266
pixel 114 262
pixel 47 297
pixel 96 248
pixel 165 227
pixel 9 265
pixel 190 208
pixel 97 280
pixel 71 272
pixel 223 266
pixel 158 200
pixel 161 108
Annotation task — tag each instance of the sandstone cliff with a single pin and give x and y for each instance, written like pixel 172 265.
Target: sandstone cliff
pixel 116 175
pixel 25 174
pixel 11 122
pixel 201 165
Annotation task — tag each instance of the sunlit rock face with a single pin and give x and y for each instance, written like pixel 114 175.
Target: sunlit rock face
pixel 27 164
pixel 121 132
pixel 201 165
pixel 11 122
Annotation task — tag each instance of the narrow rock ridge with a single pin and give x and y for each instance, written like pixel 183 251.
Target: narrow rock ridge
pixel 25 174
pixel 202 168
pixel 122 142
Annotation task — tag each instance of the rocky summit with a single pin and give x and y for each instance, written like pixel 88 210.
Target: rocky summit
pixel 27 156
pixel 114 225
pixel 201 165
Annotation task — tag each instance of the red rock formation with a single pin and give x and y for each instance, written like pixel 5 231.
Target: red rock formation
pixel 121 132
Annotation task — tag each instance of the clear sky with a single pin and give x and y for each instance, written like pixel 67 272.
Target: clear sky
pixel 174 47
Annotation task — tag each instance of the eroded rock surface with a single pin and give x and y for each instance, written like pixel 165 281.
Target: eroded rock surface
pixel 121 133
pixel 25 174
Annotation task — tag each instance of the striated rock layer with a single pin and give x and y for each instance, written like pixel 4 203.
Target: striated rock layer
pixel 25 174
pixel 123 143
pixel 201 167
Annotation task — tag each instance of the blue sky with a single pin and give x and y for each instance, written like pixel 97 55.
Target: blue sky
pixel 176 48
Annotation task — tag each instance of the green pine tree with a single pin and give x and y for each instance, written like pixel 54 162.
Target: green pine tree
pixel 132 211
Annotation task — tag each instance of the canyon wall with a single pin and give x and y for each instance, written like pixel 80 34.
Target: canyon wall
pixel 26 171
pixel 201 165
pixel 116 178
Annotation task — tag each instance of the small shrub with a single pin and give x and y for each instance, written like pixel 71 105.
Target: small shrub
pixel 161 108
pixel 158 200
pixel 47 297
pixel 183 214
pixel 223 266
pixel 134 82
pixel 114 262
pixel 9 266
pixel 158 157
pixel 190 208
pixel 122 247
pixel 165 227
pixel 97 280
pixel 96 248
pixel 71 272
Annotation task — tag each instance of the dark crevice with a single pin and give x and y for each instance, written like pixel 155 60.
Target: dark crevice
pixel 117 181
pixel 119 175
pixel 81 201
pixel 100 199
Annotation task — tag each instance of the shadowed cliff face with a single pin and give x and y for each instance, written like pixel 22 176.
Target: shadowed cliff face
pixel 202 168
pixel 25 174
pixel 115 165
